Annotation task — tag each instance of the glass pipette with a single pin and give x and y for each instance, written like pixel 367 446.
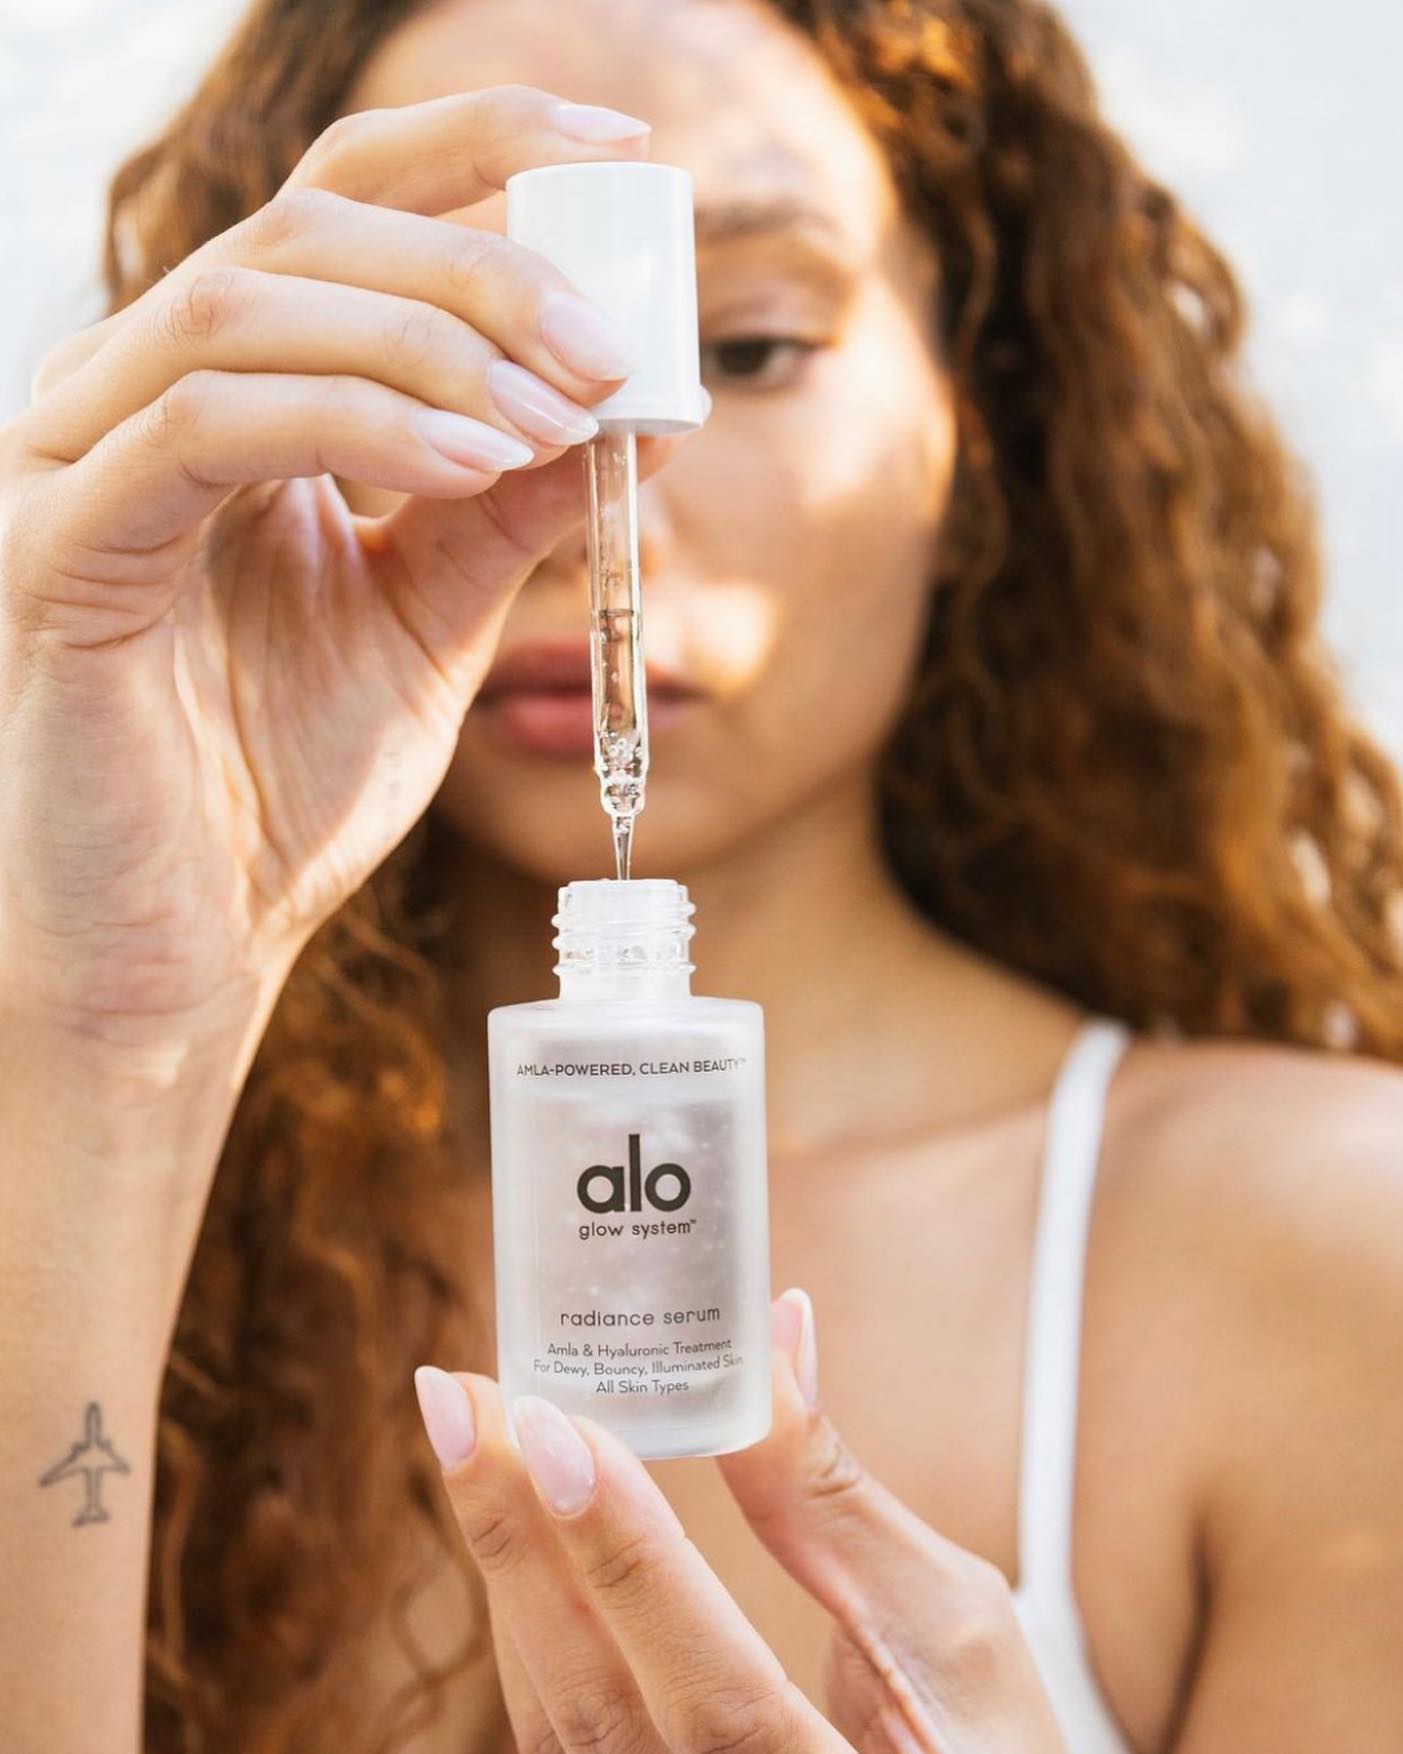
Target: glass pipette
pixel 617 677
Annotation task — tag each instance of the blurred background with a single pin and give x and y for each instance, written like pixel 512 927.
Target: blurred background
pixel 1279 127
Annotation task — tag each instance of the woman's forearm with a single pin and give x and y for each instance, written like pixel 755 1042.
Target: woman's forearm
pixel 101 1198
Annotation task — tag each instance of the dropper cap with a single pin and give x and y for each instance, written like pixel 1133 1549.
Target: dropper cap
pixel 623 234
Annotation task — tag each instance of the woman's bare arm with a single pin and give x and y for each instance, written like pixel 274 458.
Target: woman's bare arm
pixel 1302 1531
pixel 95 1244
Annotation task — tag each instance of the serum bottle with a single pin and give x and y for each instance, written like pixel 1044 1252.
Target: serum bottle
pixel 629 1184
pixel 628 1131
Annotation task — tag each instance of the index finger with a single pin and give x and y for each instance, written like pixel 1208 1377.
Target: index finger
pixel 707 1677
pixel 449 152
pixel 428 158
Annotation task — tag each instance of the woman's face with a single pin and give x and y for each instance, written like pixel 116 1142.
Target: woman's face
pixel 787 547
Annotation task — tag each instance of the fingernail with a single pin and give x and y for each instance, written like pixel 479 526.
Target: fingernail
pixel 710 402
pixel 558 1458
pixel 533 405
pixel 448 1414
pixel 792 1327
pixel 464 440
pixel 583 338
pixel 594 122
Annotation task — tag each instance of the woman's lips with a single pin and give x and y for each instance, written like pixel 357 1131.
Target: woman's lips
pixel 537 700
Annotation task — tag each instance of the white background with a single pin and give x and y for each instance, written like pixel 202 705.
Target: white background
pixel 1277 121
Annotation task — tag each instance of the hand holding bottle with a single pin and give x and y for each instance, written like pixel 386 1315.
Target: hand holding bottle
pixel 224 697
pixel 653 1656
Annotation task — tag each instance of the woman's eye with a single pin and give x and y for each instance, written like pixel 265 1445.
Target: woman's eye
pixel 750 360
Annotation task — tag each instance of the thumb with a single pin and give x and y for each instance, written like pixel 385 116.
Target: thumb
pixel 512 523
pixel 462 559
pixel 838 1531
pixel 946 1663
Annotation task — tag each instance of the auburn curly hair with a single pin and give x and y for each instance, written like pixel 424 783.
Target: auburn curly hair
pixel 1125 769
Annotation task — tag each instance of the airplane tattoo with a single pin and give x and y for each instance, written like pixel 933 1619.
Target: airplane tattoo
pixel 92 1458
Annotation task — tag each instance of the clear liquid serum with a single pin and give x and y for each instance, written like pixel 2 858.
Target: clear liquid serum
pixel 630 1214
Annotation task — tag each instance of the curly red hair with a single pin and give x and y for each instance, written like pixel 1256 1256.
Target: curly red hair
pixel 1125 770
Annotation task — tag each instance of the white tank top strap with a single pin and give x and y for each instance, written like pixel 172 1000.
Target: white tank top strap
pixel 1045 1597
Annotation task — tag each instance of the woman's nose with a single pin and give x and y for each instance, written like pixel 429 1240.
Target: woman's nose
pixel 568 561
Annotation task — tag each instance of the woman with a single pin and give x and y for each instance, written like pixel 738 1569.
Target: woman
pixel 991 711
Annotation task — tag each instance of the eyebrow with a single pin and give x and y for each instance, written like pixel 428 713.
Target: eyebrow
pixel 724 222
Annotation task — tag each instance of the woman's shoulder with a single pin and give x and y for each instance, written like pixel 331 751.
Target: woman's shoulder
pixel 1255 1198
pixel 1282 1141
pixel 1244 1439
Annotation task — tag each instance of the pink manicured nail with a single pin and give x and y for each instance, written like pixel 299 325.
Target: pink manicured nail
pixel 448 1415
pixel 582 337
pixel 594 122
pixel 792 1327
pixel 536 407
pixel 559 1459
pixel 464 440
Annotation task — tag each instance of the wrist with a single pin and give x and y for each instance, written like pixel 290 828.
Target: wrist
pixel 108 1150
pixel 103 1091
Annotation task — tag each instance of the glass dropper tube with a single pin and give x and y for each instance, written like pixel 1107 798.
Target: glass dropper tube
pixel 617 677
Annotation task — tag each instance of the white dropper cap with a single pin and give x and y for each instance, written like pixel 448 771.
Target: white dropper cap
pixel 623 233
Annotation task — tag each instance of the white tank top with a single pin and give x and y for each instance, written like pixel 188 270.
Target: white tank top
pixel 1045 1600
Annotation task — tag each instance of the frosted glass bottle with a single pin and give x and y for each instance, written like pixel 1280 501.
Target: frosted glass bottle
pixel 630 1210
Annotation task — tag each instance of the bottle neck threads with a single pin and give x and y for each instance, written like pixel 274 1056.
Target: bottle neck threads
pixel 624 939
